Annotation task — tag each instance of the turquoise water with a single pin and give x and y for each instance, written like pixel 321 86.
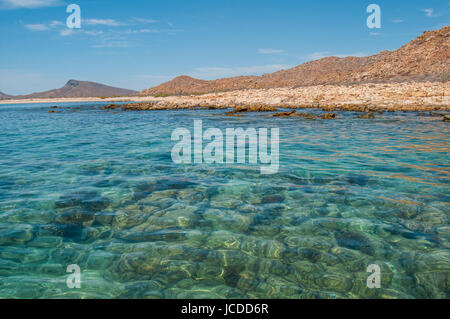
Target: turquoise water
pixel 99 189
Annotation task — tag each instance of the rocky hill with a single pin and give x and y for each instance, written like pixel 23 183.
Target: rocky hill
pixel 425 58
pixel 4 96
pixel 74 88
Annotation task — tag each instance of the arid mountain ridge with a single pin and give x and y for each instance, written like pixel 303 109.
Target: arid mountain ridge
pixel 4 96
pixel 426 58
pixel 74 88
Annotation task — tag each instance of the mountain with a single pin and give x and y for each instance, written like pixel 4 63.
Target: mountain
pixel 181 85
pixel 4 96
pixel 425 58
pixel 74 88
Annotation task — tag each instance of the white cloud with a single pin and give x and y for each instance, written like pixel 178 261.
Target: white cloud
pixel 55 23
pixel 66 32
pixel 115 23
pixel 270 51
pixel 113 44
pixel 43 26
pixel 107 22
pixel 60 27
pixel 129 31
pixel 36 27
pixel 94 33
pixel 320 55
pixel 28 4
pixel 429 12
pixel 219 72
pixel 144 21
pixel 398 20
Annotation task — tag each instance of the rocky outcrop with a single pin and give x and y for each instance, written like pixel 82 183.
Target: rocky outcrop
pixel 407 96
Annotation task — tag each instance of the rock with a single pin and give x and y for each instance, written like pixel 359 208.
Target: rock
pixel 254 108
pixel 76 216
pixel 356 241
pixel 232 114
pixel 111 107
pixel 239 109
pixel 88 200
pixel 19 234
pixel 333 282
pixel 329 116
pixel 272 199
pixel 71 230
pixel 46 242
pixel 231 274
pixel 369 115
pixel 284 114
pixel 446 118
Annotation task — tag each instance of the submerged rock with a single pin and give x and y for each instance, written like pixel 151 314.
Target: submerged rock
pixel 356 241
pixel 75 216
pixel 91 201
pixel 111 107
pixel 232 114
pixel 162 235
pixel 369 115
pixel 329 116
pixel 71 230
pixel 311 254
pixel 143 190
pixel 272 199
pixel 333 282
pixel 20 234
pixel 284 114
pixel 231 274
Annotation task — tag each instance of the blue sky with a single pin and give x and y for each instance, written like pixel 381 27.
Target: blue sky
pixel 141 43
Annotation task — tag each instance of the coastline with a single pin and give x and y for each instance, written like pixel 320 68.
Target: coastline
pixel 412 96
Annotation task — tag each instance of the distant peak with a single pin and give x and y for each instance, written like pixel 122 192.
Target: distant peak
pixel 184 77
pixel 73 83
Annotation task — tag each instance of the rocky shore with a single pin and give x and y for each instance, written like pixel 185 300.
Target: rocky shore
pixel 413 96
pixel 408 96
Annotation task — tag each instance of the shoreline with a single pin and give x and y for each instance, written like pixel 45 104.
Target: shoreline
pixel 413 96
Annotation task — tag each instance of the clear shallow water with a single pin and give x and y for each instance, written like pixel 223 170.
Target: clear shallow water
pixel 100 190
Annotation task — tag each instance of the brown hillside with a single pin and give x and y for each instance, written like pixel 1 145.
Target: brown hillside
pixel 74 88
pixel 4 96
pixel 425 58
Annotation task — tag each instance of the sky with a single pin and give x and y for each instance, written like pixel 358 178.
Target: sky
pixel 137 44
